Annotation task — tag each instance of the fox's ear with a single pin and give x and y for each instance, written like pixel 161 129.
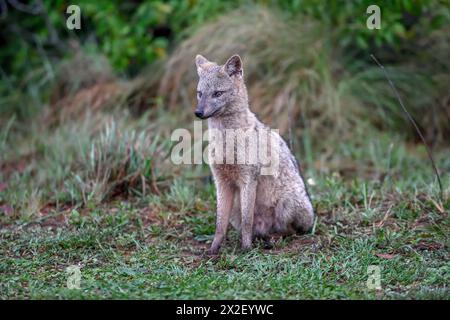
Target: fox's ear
pixel 233 67
pixel 201 62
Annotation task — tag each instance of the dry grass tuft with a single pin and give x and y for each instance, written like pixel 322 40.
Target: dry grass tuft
pixel 287 65
pixel 81 72
pixel 298 79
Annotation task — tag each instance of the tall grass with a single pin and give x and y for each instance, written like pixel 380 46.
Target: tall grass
pixel 285 74
pixel 298 77
pixel 86 161
pixel 117 161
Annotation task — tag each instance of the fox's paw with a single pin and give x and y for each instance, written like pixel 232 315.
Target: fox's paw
pixel 211 252
pixel 246 247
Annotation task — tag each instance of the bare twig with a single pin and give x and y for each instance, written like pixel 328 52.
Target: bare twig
pixel 291 144
pixel 410 118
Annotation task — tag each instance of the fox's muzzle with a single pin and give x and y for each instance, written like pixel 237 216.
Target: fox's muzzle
pixel 199 114
pixel 201 106
pixel 205 111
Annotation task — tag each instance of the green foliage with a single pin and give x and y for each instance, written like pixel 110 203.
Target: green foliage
pixel 126 34
pixel 133 34
pixel 401 20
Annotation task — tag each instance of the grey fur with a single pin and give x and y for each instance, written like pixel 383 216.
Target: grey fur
pixel 256 205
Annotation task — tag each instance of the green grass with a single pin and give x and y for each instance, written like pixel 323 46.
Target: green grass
pixel 152 246
pixel 122 258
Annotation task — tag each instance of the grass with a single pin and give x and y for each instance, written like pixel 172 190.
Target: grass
pixel 121 256
pixel 384 212
pixel 305 81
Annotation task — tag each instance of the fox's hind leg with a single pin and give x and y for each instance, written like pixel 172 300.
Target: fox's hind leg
pixel 293 216
pixel 303 217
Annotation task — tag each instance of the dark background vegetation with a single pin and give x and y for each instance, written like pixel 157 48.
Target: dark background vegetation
pixel 85 123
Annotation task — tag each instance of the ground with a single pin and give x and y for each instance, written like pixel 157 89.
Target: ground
pixel 153 247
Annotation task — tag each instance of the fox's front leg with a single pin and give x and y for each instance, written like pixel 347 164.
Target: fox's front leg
pixel 248 198
pixel 225 197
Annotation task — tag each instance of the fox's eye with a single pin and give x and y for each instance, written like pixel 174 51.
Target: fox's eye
pixel 217 94
pixel 199 94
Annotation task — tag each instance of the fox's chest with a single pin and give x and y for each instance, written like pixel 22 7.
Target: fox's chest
pixel 227 172
pixel 233 173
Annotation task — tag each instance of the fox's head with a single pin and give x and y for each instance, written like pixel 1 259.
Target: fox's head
pixel 218 86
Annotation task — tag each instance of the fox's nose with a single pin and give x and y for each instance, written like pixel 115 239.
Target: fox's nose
pixel 199 114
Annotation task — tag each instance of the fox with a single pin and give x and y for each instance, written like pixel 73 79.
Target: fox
pixel 257 205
